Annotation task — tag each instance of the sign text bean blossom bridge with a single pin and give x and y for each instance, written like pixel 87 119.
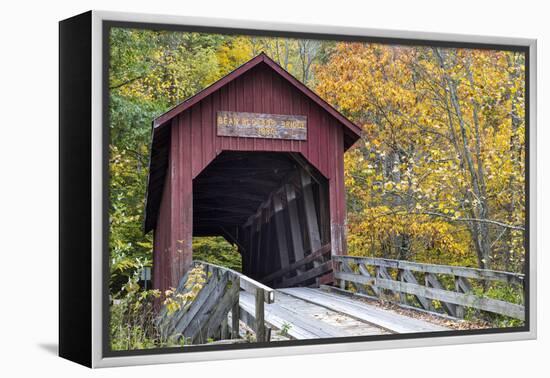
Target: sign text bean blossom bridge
pixel 257 158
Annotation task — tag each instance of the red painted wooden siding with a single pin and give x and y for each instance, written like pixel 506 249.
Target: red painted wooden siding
pixel 194 144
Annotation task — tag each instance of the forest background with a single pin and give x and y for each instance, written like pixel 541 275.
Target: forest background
pixel 438 177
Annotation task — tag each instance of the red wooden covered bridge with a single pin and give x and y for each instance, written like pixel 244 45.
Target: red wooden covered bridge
pixel 257 158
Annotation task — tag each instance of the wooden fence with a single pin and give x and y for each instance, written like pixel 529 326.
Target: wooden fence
pixel 394 280
pixel 205 318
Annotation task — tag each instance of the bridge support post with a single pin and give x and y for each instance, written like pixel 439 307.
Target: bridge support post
pixel 293 219
pixel 259 315
pixel 461 286
pixel 312 223
pixel 281 231
pixel 235 316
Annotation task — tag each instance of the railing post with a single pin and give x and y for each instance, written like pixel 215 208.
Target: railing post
pixel 338 267
pixel 402 295
pixel 459 310
pixel 461 286
pixel 376 277
pixel 429 300
pixel 224 334
pixel 259 315
pixel 235 316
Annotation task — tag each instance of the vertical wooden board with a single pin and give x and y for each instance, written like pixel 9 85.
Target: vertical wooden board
pixel 310 213
pixel 254 99
pixel 184 167
pixel 282 246
pixel 212 140
pixel 165 251
pixel 245 241
pixel 158 241
pixel 239 95
pixel 275 264
pixel 263 144
pixel 323 143
pixel 294 223
pixel 262 246
pixel 341 194
pixel 324 214
pixel 235 316
pixel 171 180
pixel 175 166
pixel 248 144
pixel 313 135
pixel 257 91
pixel 195 125
pixel 239 105
pixel 402 295
pixel 259 315
pixel 158 246
pixel 277 144
pixel 337 221
pixel 270 106
pixel 162 244
pixel 304 108
pixel 263 255
pixel 333 193
pixel 224 332
pixel 224 105
pixel 267 253
pixel 182 196
pixel 257 252
pixel 251 250
pixel 232 105
pixel 267 91
pixel 462 285
pixel 258 247
pixel 216 106
pixel 291 100
pixel 207 142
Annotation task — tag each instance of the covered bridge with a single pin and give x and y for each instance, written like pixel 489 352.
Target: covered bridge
pixel 257 158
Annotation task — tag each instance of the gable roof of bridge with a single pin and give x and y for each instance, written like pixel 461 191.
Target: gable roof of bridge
pixel 353 130
pixel 161 128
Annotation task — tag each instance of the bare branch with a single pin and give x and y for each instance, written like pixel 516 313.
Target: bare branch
pixel 489 221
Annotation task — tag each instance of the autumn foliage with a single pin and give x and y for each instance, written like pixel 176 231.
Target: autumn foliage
pixel 439 175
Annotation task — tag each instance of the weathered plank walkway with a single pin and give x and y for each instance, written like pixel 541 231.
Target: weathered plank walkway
pixel 385 321
pixel 306 320
pixel 307 313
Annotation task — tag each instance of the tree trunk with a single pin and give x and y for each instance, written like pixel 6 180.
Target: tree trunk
pixel 477 195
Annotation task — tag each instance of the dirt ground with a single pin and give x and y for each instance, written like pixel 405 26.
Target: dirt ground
pixel 442 320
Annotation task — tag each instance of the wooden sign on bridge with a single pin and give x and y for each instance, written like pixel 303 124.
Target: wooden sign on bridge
pixel 258 125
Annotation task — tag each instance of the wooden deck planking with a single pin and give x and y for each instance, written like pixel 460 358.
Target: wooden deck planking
pixel 306 320
pixel 346 326
pixel 246 302
pixel 386 319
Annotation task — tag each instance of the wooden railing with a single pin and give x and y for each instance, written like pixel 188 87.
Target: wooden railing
pixel 206 317
pixel 393 279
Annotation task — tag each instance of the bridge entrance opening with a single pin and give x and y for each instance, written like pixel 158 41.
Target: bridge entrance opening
pixel 258 158
pixel 274 206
